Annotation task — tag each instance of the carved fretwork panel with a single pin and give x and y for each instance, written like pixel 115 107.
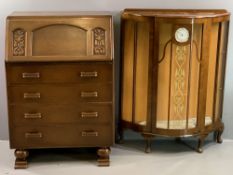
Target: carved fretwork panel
pixel 179 87
pixel 99 41
pixel 179 81
pixel 19 36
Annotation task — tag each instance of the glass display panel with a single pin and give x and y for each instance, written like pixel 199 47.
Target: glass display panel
pixel 141 72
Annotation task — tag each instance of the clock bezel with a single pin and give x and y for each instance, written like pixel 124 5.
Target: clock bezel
pixel 176 27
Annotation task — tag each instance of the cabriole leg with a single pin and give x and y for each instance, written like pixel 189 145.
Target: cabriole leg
pixel 21 159
pixel 200 143
pixel 219 134
pixel 148 142
pixel 103 156
pixel 121 136
pixel 148 145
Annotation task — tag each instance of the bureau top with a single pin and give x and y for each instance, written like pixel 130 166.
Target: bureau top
pixel 59 36
pixel 49 14
pixel 178 13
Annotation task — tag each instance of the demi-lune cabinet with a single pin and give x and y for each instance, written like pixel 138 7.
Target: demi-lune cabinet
pixel 173 66
pixel 60 84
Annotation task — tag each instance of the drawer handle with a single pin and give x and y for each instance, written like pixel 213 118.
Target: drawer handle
pixel 88 74
pixel 89 94
pixel 89 114
pixel 33 135
pixel 31 75
pixel 32 115
pixel 31 95
pixel 89 134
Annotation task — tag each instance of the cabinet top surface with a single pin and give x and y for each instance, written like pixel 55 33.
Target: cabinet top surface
pixel 176 13
pixel 46 14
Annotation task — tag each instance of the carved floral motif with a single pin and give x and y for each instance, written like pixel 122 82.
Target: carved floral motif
pixel 99 41
pixel 19 42
pixel 179 82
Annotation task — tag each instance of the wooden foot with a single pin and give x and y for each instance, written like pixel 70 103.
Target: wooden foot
pixel 219 134
pixel 21 159
pixel 148 145
pixel 200 143
pixel 121 137
pixel 103 156
pixel 148 142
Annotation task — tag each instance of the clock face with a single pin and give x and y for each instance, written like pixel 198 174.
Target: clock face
pixel 182 35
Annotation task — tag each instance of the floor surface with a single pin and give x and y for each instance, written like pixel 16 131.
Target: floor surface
pixel 167 158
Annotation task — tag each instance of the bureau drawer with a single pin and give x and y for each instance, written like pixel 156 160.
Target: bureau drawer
pixel 60 94
pixel 96 72
pixel 61 136
pixel 34 114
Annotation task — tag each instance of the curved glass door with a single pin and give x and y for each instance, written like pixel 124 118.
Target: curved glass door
pixel 135 87
pixel 180 49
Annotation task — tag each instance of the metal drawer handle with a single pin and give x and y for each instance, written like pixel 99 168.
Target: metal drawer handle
pixel 89 114
pixel 89 94
pixel 31 75
pixel 32 115
pixel 88 74
pixel 31 95
pixel 33 135
pixel 90 134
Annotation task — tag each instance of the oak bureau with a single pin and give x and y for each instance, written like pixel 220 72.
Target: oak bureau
pixel 60 82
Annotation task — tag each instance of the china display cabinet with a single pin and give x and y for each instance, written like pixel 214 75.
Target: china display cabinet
pixel 60 83
pixel 173 66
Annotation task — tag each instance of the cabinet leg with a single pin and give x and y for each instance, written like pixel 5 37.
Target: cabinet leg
pixel 219 134
pixel 121 136
pixel 148 145
pixel 21 159
pixel 103 156
pixel 200 143
pixel 148 142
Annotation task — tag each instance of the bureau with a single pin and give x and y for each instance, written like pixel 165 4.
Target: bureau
pixel 60 82
pixel 173 72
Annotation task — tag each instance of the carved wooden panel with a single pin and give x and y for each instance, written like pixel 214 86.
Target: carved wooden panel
pixel 99 41
pixel 179 87
pixel 19 36
pixel 179 84
pixel 59 39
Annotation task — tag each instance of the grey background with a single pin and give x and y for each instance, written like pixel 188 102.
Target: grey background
pixel 115 6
